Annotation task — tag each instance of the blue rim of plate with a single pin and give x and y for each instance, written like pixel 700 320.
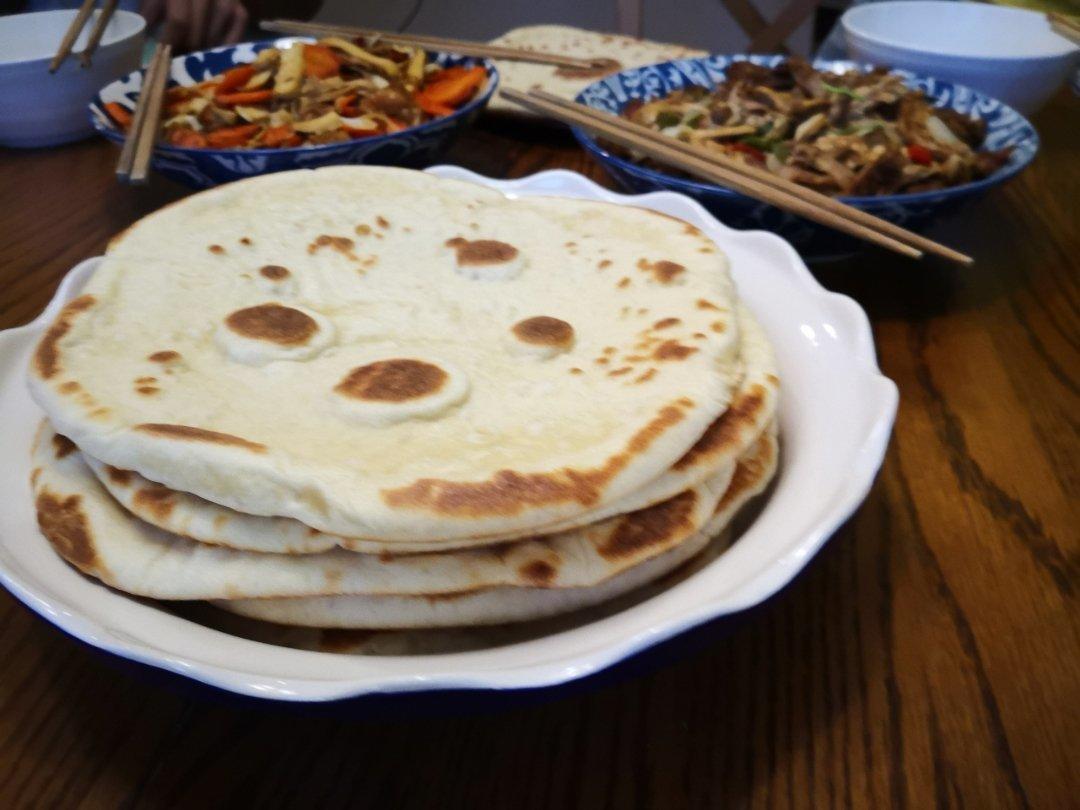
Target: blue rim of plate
pixel 105 125
pixel 1024 127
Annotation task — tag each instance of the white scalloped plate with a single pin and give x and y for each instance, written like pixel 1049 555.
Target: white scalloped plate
pixel 836 415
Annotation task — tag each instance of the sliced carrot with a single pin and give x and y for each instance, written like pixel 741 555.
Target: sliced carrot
pixel 188 138
pixel 320 62
pixel 279 137
pixel 447 73
pixel 232 136
pixel 248 97
pixel 346 106
pixel 118 113
pixel 439 96
pixel 231 79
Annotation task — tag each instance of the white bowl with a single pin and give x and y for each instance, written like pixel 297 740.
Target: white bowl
pixel 1008 53
pixel 836 415
pixel 38 108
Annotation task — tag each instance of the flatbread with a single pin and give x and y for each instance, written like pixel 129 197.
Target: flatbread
pixel 626 52
pixel 499 605
pixel 91 531
pixel 383 354
pixel 712 456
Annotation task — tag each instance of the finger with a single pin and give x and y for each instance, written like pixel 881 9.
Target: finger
pixel 199 13
pixel 220 17
pixel 177 22
pixel 153 11
pixel 239 24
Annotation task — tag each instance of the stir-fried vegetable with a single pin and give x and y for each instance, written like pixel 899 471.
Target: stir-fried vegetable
pixel 849 133
pixel 313 93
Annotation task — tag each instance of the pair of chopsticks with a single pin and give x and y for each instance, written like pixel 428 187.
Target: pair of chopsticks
pixel 459 46
pixel 1067 27
pixel 134 163
pixel 72 33
pixel 758 183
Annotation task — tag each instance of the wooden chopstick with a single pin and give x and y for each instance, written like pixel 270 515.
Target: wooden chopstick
pixel 134 162
pixel 1065 26
pixel 107 9
pixel 659 148
pixel 72 34
pixel 767 177
pixel 460 46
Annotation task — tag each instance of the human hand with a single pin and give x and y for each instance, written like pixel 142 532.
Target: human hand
pixel 194 24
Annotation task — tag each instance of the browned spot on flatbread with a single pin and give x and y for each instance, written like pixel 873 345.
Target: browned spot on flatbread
pixel 69 387
pixel 646 375
pixel 543 330
pixel 663 271
pixel 666 323
pixel 576 370
pixel 47 354
pixel 217 250
pixel 508 492
pixel 603 264
pixel 601 361
pixel 618 372
pixel 62 445
pixel 654 526
pixel 703 304
pixel 244 240
pixel 772 378
pixel 117 476
pixel 156 500
pixel 394 380
pixel 332 577
pixel 539 573
pixel 363 230
pixel 340 641
pixel 63 522
pixel 609 350
pixel 624 282
pixel 342 244
pixel 166 356
pixel 145 380
pixel 35 474
pixel 481 251
pixel 274 323
pixel 750 469
pixel 599 69
pixel 274 272
pixel 148 390
pixel 718 326
pixel 691 230
pixel 723 434
pixel 382 222
pixel 698 336
pixel 194 434
pixel 673 350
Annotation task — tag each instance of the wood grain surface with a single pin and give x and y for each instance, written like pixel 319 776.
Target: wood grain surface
pixel 928 657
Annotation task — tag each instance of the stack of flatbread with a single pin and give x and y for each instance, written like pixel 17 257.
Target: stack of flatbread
pixel 619 52
pixel 367 397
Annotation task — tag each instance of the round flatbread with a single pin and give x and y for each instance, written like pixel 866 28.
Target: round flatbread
pixel 91 531
pixel 713 455
pixel 383 354
pixel 621 52
pixel 499 605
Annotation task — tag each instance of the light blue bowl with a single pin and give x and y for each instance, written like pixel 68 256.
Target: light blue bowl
pixel 200 168
pixel 1005 127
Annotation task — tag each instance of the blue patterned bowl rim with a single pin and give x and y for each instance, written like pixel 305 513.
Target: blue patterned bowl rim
pixel 194 67
pixel 610 95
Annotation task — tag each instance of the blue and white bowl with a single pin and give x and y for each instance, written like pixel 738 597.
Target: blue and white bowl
pixel 1005 127
pixel 200 168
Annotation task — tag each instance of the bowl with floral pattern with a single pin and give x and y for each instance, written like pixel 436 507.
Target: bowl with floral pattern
pixel 200 167
pixel 916 211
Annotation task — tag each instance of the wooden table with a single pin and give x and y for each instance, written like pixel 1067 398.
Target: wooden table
pixel 929 656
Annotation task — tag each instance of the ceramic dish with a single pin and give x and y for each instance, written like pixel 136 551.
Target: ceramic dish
pixel 45 109
pixel 836 415
pixel 1005 127
pixel 1009 53
pixel 201 168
